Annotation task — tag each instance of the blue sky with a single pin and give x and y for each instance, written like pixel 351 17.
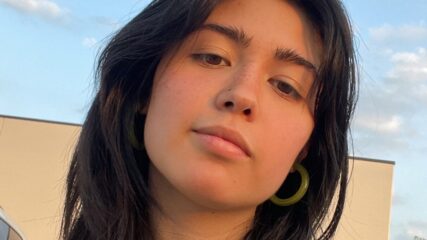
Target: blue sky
pixel 48 49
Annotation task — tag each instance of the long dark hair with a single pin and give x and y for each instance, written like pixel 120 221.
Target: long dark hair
pixel 107 192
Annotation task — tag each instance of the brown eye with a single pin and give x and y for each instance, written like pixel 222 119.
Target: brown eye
pixel 211 59
pixel 286 89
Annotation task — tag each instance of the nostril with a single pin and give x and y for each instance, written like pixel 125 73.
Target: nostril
pixel 229 104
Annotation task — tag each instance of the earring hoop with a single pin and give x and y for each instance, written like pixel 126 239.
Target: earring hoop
pixel 283 202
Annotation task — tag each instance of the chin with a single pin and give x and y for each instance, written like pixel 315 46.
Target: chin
pixel 211 194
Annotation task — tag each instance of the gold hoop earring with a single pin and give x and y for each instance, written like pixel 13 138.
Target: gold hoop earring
pixel 283 202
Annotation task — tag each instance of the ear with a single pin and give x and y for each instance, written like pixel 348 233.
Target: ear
pixel 142 109
pixel 302 154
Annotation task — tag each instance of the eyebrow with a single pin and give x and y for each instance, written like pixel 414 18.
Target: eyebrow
pixel 289 55
pixel 234 33
pixel 239 36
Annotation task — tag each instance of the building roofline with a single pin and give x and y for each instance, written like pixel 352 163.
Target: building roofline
pixel 372 160
pixel 79 125
pixel 40 120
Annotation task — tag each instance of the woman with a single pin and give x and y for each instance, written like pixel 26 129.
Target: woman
pixel 204 108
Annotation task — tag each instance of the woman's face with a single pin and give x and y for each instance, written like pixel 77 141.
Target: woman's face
pixel 229 112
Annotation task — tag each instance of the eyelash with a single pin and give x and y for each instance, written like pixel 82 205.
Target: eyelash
pixel 203 58
pixel 289 90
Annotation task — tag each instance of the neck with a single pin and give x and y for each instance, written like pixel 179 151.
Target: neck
pixel 192 226
pixel 176 217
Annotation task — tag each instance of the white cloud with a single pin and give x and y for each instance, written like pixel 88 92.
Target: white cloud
pixel 89 42
pixel 402 92
pixel 405 57
pixel 405 33
pixel 409 74
pixel 107 22
pixel 413 64
pixel 417 229
pixel 391 110
pixel 382 124
pixel 46 9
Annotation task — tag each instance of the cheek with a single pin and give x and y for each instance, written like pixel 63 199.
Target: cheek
pixel 289 138
pixel 286 139
pixel 178 87
pixel 173 96
pixel 172 110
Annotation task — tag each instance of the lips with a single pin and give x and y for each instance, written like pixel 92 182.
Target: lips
pixel 226 134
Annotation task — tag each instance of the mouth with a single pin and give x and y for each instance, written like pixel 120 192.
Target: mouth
pixel 223 139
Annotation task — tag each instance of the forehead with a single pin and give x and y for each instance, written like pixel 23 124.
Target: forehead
pixel 270 24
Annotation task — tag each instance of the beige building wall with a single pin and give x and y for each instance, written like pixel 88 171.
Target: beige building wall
pixel 34 158
pixel 367 212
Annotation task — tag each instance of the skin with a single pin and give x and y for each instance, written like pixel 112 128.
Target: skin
pixel 210 80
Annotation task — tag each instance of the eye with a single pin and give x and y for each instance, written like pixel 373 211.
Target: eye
pixel 286 89
pixel 210 59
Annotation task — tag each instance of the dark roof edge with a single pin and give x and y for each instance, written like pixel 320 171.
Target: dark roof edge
pixel 79 125
pixel 372 160
pixel 40 120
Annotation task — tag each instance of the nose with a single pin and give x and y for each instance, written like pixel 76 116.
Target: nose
pixel 240 98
